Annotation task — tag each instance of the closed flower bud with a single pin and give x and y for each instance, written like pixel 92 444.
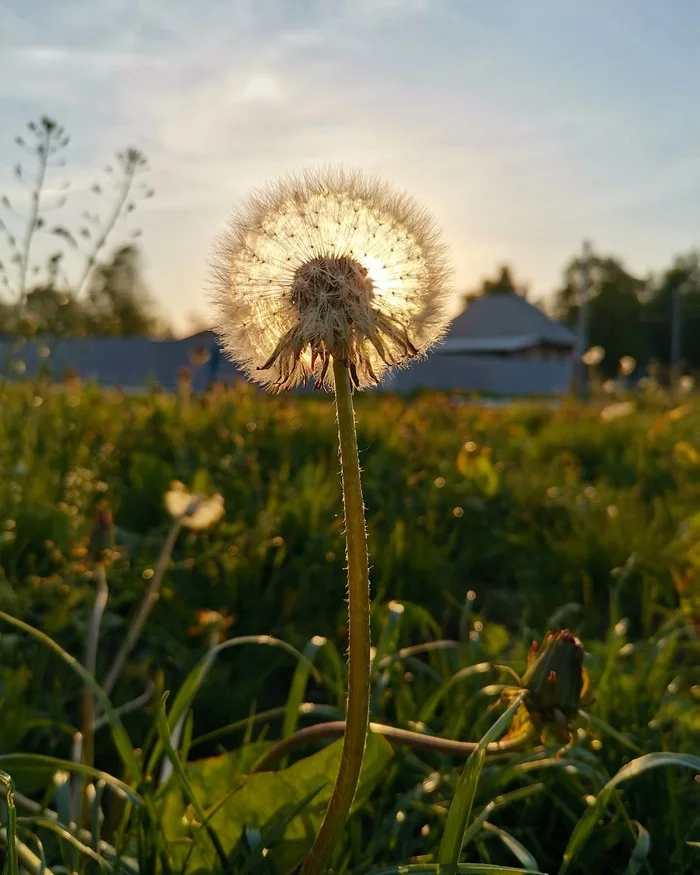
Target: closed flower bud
pixel 102 534
pixel 555 680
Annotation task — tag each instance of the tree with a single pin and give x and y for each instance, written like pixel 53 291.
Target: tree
pixel 118 303
pixel 681 282
pixel 503 283
pixel 616 308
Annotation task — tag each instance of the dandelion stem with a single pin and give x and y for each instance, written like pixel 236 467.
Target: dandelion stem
pixel 88 715
pixel 357 709
pixel 147 604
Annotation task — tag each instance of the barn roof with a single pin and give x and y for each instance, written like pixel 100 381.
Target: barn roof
pixel 506 316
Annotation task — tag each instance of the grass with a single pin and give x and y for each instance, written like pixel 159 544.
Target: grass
pixel 486 528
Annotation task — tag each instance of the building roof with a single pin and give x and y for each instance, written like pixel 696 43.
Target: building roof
pixel 508 317
pixel 131 363
pixel 488 375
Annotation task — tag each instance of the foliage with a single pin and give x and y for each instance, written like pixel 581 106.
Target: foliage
pixel 78 290
pixel 630 315
pixel 481 522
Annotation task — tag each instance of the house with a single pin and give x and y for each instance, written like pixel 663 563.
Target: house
pixel 500 345
pixel 505 324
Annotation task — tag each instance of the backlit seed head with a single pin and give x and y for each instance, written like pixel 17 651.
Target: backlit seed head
pixel 324 265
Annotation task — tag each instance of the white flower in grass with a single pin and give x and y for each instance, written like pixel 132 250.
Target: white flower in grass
pixel 195 512
pixel 593 356
pixel 329 264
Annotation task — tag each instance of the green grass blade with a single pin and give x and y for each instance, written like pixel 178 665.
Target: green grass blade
pixel 297 689
pixel 633 769
pixel 426 713
pixel 189 689
pixel 274 832
pixel 305 709
pixel 463 800
pixel 11 865
pixel 496 803
pixel 52 765
pixel 517 849
pixel 119 733
pixel 190 795
pixel 389 633
pixel 33 864
pixel 68 837
pixel 640 852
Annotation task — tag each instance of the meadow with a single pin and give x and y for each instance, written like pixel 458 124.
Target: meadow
pixel 488 526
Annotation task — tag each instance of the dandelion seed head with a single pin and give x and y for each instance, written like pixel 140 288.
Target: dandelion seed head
pixel 329 264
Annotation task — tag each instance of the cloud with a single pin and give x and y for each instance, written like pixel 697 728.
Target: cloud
pixel 515 128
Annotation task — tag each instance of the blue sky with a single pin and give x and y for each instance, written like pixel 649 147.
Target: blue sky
pixel 524 125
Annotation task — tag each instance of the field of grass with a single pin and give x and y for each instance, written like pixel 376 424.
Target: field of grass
pixel 487 527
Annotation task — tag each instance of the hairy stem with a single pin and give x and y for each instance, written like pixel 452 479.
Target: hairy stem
pixel 357 709
pixel 148 602
pixel 88 715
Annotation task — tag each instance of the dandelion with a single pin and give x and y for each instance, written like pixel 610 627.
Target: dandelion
pixel 212 624
pixel 328 266
pixel 334 277
pixel 617 410
pixel 593 356
pixel 195 512
pixel 627 365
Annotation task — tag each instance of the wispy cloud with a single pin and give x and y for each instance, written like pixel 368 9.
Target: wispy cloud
pixel 523 126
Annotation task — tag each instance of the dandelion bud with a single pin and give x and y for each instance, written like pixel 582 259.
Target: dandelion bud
pixel 102 534
pixel 555 680
pixel 329 265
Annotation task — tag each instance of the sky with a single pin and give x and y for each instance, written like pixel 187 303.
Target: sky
pixel 525 126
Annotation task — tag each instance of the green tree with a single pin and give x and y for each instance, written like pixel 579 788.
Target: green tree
pixel 118 303
pixel 681 279
pixel 616 308
pixel 503 282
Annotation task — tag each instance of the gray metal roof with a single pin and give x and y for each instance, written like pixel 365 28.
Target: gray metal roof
pixel 505 314
pixel 485 374
pixel 130 363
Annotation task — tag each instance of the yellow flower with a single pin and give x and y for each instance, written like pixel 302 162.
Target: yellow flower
pixel 329 264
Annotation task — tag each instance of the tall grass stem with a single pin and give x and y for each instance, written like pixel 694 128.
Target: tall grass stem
pixel 148 602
